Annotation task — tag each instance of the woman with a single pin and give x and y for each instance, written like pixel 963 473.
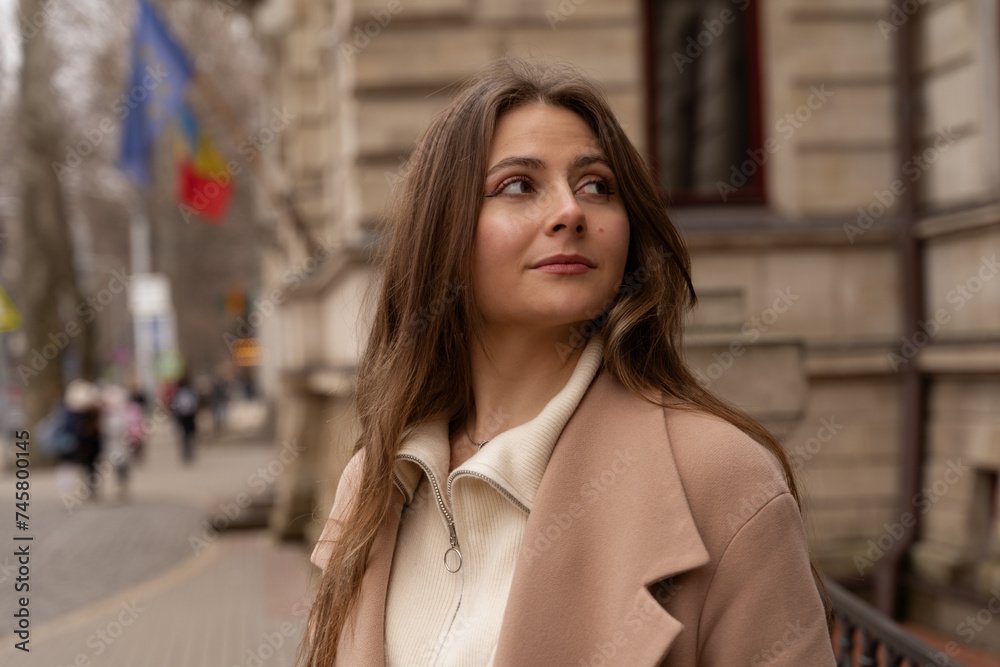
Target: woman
pixel 539 479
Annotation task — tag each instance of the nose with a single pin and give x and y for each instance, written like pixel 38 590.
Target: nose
pixel 564 212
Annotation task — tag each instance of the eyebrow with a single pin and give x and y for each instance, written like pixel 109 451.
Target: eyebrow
pixel 534 163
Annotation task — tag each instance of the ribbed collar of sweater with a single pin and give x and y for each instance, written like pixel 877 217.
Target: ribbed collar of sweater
pixel 516 458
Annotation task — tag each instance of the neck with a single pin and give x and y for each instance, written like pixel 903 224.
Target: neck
pixel 515 374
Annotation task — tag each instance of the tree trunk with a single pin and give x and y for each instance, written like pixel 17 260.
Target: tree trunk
pixel 49 285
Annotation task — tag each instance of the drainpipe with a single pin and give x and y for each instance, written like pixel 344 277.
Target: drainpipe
pixel 912 398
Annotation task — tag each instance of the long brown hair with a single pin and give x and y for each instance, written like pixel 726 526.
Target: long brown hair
pixel 417 360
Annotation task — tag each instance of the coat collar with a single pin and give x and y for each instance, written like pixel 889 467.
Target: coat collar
pixel 610 519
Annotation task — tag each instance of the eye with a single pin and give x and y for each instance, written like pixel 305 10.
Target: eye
pixel 600 187
pixel 516 185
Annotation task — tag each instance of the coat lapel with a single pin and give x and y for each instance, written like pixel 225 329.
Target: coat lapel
pixel 610 522
pixel 610 519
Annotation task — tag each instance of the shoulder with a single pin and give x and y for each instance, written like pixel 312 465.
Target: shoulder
pixel 728 477
pixel 725 473
pixel 709 447
pixel 711 454
pixel 347 489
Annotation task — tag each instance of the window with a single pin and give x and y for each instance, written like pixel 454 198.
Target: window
pixel 704 92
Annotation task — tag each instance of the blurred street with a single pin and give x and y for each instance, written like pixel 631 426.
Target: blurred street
pixel 147 582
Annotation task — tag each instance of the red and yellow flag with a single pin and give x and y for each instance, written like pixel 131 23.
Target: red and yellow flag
pixel 204 183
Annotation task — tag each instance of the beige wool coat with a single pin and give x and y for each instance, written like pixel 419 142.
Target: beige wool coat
pixel 658 536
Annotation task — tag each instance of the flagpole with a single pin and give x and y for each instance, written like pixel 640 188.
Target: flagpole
pixel 140 241
pixel 237 135
pixel 140 251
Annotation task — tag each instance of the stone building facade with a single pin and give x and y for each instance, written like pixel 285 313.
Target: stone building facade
pixel 794 222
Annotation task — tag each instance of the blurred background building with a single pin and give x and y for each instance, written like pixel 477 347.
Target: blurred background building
pixel 836 184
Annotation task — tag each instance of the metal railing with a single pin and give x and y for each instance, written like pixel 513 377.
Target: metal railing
pixel 866 637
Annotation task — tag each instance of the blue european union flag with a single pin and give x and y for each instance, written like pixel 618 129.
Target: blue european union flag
pixel 161 73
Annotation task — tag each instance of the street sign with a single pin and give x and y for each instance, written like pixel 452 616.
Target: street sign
pixel 10 319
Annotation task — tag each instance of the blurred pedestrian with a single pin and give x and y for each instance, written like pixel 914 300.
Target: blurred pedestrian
pixel 136 393
pixel 135 432
pixel 83 402
pixel 184 404
pixel 249 389
pixel 114 429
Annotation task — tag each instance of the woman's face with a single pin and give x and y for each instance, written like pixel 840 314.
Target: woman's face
pixel 549 192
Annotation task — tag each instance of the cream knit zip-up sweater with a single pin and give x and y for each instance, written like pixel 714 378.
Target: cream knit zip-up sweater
pixel 452 619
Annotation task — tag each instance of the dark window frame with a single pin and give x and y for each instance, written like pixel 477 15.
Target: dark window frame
pixel 756 195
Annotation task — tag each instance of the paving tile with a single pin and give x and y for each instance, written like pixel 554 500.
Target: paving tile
pixel 120 584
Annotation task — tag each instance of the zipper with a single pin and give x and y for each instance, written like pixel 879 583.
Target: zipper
pixel 492 483
pixel 452 536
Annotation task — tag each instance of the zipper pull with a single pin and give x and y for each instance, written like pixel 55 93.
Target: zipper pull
pixel 454 547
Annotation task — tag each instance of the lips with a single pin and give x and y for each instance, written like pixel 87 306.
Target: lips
pixel 555 260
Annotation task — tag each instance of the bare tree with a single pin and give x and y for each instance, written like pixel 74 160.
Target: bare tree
pixel 48 276
pixel 75 223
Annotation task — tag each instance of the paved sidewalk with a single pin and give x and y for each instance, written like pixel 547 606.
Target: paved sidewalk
pixel 147 582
